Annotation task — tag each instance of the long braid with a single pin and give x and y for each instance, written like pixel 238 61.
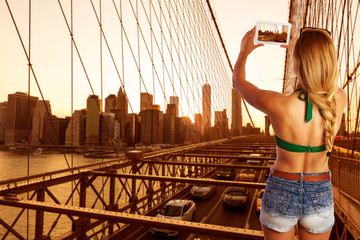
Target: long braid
pixel 328 112
pixel 318 72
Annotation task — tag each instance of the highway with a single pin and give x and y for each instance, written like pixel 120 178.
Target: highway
pixel 211 211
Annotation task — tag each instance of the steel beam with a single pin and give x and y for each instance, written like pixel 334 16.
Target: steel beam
pixel 223 156
pixel 200 228
pixel 214 165
pixel 39 223
pixel 183 180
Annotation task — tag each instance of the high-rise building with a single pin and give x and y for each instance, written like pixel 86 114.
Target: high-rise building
pixel 117 130
pixel 93 111
pixel 182 130
pixel 55 130
pixel 121 101
pixel 20 113
pixel 175 100
pixel 3 121
pixel 146 101
pixel 75 131
pixel 107 127
pixel 40 113
pixel 236 113
pixel 206 105
pixel 151 126
pixel 110 103
pixel 198 123
pixel 171 109
pixel 132 129
pixel 221 123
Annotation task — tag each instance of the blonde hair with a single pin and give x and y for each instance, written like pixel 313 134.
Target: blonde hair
pixel 317 65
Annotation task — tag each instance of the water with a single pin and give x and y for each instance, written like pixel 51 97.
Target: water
pixel 14 164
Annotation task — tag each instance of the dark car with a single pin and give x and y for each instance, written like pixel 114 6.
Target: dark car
pixel 235 197
pixel 226 173
pixel 270 163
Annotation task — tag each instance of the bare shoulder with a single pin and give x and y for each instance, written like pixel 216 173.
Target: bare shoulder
pixel 269 101
pixel 340 98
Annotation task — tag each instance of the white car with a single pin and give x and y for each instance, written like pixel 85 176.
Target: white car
pixel 176 209
pixel 202 190
pixel 254 161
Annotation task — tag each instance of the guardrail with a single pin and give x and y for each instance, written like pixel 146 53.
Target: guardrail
pixel 345 170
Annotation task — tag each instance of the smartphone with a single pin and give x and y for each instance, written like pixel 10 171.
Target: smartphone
pixel 275 33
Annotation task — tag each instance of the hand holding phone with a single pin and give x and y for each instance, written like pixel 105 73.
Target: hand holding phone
pixel 275 33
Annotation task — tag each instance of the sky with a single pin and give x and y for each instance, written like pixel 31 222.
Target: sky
pixel 265 67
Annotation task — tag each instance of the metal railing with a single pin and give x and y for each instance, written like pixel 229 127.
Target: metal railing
pixel 345 170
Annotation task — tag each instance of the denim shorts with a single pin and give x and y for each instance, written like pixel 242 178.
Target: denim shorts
pixel 287 202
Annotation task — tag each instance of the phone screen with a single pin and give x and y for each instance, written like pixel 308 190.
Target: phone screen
pixel 272 33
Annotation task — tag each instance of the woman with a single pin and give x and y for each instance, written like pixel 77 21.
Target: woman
pixel 299 189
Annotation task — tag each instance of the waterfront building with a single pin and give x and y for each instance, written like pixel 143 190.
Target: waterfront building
pixel 151 126
pixel 236 113
pixel 3 121
pixel 107 127
pixel 93 111
pixel 132 129
pixel 55 130
pixel 169 128
pixel 20 111
pixel 40 113
pixel 75 131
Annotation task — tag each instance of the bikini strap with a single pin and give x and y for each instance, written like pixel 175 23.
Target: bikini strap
pixel 309 105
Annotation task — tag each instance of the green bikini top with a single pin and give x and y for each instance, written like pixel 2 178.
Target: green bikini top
pixel 301 148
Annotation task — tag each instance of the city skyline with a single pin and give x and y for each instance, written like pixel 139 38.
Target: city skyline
pixel 229 14
pixel 25 118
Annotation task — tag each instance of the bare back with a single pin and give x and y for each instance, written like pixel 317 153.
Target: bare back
pixel 289 124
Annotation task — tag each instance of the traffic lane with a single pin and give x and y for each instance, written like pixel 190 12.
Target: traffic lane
pixel 234 218
pixel 203 207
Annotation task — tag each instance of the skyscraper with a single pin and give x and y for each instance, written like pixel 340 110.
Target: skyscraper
pixel 110 103
pixel 146 101
pixel 175 100
pixel 75 132
pixel 20 113
pixel 121 101
pixel 3 121
pixel 198 123
pixel 37 131
pixel 107 127
pixel 236 113
pixel 93 111
pixel 206 105
pixel 55 130
pixel 151 126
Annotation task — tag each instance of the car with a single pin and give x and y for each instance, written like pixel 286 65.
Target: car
pixel 226 173
pixel 202 191
pixel 258 200
pixel 269 163
pixel 254 161
pixel 235 197
pixel 177 209
pixel 246 175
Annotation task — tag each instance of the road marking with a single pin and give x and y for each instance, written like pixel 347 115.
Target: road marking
pixel 191 236
pixel 247 225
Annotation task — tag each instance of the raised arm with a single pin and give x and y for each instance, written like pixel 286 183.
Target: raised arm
pixel 264 100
